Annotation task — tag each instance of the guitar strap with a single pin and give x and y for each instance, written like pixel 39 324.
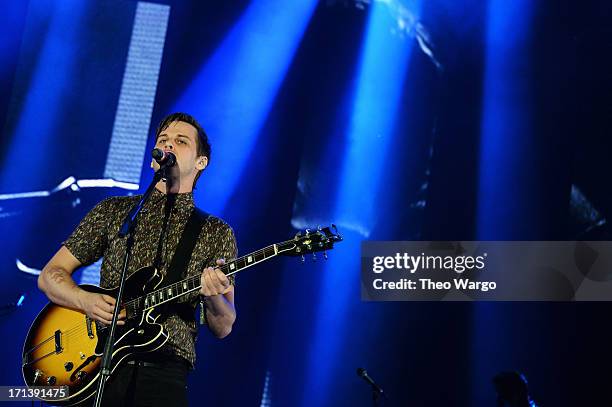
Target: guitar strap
pixel 184 250
pixel 180 261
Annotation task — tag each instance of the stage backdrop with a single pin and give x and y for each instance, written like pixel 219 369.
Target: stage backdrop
pixel 395 120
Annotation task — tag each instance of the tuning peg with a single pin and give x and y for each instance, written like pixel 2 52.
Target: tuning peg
pixel 303 259
pixel 325 254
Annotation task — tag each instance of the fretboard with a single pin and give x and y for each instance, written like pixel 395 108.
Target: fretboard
pixel 173 291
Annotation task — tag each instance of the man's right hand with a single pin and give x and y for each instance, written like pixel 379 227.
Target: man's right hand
pixel 99 307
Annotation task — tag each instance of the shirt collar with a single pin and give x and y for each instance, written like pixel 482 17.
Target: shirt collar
pixel 183 201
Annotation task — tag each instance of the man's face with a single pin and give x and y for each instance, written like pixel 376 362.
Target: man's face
pixel 181 139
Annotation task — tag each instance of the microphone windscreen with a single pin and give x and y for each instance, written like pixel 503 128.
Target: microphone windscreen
pixel 157 153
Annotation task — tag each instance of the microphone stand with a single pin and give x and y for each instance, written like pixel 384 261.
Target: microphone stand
pixel 375 396
pixel 127 229
pixel 376 390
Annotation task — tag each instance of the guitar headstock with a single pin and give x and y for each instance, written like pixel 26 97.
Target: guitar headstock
pixel 311 241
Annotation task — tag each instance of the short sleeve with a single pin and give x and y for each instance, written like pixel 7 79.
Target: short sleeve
pixel 89 240
pixel 224 247
pixel 227 248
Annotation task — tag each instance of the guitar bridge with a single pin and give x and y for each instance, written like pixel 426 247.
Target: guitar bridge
pixel 89 323
pixel 58 341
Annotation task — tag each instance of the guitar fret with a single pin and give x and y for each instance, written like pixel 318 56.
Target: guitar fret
pixel 189 284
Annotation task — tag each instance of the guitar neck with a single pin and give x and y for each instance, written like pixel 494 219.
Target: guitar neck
pixel 176 290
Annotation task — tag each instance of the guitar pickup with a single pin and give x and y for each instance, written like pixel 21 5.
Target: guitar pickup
pixel 58 341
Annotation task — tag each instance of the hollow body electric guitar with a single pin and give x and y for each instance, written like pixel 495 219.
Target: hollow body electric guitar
pixel 64 346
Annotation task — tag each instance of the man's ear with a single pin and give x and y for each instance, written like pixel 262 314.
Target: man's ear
pixel 202 162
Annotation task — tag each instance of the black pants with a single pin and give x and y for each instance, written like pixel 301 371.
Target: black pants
pixel 158 383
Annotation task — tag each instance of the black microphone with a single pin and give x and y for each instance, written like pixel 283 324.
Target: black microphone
pixel 162 157
pixel 361 372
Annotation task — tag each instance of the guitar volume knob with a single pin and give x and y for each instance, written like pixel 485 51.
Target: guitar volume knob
pixel 68 366
pixel 51 380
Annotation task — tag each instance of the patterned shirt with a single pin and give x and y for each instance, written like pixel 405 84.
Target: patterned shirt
pixel 97 236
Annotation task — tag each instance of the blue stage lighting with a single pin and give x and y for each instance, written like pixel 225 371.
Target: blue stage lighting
pixel 503 197
pixel 505 131
pixel 41 108
pixel 375 99
pixel 235 90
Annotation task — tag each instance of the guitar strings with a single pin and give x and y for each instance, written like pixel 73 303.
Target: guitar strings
pixel 173 286
pixel 135 303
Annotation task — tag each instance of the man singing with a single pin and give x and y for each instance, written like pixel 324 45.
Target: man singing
pixel 158 378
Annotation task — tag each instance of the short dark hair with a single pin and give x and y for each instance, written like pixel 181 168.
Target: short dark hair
pixel 202 142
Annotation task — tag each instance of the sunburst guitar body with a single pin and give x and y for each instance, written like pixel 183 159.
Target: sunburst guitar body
pixel 64 347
